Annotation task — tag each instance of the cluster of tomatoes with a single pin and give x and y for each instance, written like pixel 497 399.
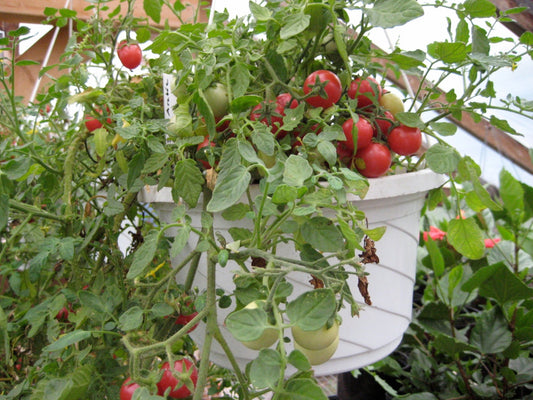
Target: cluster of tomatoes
pixel 372 134
pixel 172 382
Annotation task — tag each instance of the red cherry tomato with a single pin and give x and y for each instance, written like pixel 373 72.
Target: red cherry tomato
pixel 92 123
pixel 373 161
pixel 365 132
pixel 184 319
pixel 383 124
pixel 201 148
pixel 130 54
pixel 127 389
pixel 332 88
pixel 178 388
pixel 405 140
pixel 365 91
pixel 271 114
pixel 62 315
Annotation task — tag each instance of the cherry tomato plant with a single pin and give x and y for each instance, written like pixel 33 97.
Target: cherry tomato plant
pixel 279 119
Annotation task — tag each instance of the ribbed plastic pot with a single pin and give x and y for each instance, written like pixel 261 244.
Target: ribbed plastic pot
pixel 392 201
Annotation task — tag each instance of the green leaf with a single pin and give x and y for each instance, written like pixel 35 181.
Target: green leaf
pixel 144 255
pixel 235 212
pixel 328 151
pixel 247 324
pixel 180 240
pixel 311 310
pixel 502 124
pixel 448 53
pixel 527 38
pixel 113 207
pixel 131 319
pixel 297 170
pixel 264 370
pixel 451 346
pixel 391 13
pixel 462 33
pixel 135 167
pixel 299 360
pixel 480 8
pixel 442 159
pixel 512 194
pixel 293 25
pixel 303 389
pixel 260 13
pixel 244 103
pixel 498 282
pixel 4 210
pixel 152 8
pixel 284 194
pixel 68 339
pixel 188 182
pixel 491 332
pixel 410 119
pixel 480 41
pixel 466 237
pixel 155 162
pixel 263 139
pixel 409 59
pixel 240 79
pixel 437 260
pixel 230 187
pixel 322 234
pixel 444 128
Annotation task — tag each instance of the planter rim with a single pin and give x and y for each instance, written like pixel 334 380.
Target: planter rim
pixel 379 188
pixel 403 184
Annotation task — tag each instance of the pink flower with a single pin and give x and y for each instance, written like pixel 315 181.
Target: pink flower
pixel 434 233
pixel 490 243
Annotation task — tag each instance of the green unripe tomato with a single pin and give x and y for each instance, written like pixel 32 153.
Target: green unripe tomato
pixel 317 357
pixel 267 339
pixel 317 339
pixel 391 102
pixel 217 98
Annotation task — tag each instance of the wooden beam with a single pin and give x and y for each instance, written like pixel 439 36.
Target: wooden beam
pixel 495 138
pixel 522 22
pixel 33 10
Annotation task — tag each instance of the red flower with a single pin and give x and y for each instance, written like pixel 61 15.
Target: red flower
pixel 434 233
pixel 490 243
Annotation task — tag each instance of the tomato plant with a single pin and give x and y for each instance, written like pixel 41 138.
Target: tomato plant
pixel 177 379
pixel 373 161
pixel 405 140
pixel 130 54
pixel 329 88
pixel 367 91
pixel 127 389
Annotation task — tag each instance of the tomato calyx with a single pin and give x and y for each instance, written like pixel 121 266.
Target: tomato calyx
pixel 179 381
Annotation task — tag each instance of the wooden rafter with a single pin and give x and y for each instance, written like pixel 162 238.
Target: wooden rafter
pixel 33 10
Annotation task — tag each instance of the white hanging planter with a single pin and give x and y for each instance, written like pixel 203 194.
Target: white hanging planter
pixel 392 201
